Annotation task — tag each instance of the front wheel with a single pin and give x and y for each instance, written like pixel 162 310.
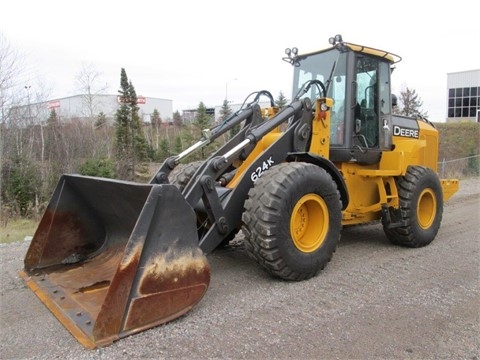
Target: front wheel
pixel 292 220
pixel 181 175
pixel 421 208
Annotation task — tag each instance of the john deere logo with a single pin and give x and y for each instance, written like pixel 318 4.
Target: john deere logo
pixel 405 132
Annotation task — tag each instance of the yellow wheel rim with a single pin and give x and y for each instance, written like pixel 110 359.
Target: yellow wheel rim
pixel 426 208
pixel 309 223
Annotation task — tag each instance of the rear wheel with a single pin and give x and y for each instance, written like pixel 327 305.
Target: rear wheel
pixel 421 208
pixel 292 220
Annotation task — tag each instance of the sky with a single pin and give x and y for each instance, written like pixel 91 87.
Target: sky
pixel 205 51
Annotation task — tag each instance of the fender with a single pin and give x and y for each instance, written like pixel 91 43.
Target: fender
pixel 329 168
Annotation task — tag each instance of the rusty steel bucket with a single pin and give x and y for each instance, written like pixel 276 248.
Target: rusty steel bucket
pixel 112 258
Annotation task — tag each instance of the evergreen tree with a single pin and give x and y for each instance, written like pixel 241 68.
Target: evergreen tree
pixel 155 119
pixel 101 120
pixel 225 113
pixel 21 189
pixel 53 118
pixel 177 119
pixel 97 167
pixel 281 100
pixel 122 116
pixel 178 144
pixel 140 146
pixel 202 119
pixel 52 136
pixel 164 151
pixel 410 104
pixel 130 143
pixel 188 137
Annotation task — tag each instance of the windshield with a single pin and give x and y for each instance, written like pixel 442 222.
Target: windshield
pixel 317 66
pixel 330 67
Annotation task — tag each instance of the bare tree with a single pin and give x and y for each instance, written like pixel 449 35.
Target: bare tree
pixel 22 140
pixel 410 104
pixel 88 82
pixel 10 69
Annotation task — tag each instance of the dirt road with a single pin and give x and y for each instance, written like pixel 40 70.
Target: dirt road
pixel 373 301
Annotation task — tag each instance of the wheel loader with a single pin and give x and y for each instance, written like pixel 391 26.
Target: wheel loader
pixel 112 258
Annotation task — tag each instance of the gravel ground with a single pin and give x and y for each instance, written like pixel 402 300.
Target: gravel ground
pixel 373 301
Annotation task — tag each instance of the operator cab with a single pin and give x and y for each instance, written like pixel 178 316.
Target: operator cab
pixel 357 78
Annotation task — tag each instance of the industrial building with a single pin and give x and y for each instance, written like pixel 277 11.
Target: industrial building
pixel 84 106
pixel 463 102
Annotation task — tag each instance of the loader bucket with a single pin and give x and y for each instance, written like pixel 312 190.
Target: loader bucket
pixel 112 258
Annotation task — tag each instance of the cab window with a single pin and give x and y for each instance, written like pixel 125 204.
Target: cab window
pixel 366 111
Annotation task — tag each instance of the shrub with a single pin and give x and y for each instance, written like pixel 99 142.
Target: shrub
pixel 97 167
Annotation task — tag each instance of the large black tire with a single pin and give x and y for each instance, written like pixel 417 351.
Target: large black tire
pixel 421 208
pixel 292 220
pixel 181 175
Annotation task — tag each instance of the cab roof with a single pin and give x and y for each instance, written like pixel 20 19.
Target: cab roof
pixel 372 51
pixel 342 46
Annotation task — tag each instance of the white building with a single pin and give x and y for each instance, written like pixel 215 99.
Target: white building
pixel 463 96
pixel 82 106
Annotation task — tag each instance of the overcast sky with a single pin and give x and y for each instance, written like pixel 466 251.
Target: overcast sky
pixel 191 51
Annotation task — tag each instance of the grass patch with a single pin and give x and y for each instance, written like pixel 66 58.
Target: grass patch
pixel 16 230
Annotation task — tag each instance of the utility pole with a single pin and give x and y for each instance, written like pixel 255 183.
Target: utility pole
pixel 27 87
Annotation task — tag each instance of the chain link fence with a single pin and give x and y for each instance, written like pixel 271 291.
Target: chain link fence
pixel 459 168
